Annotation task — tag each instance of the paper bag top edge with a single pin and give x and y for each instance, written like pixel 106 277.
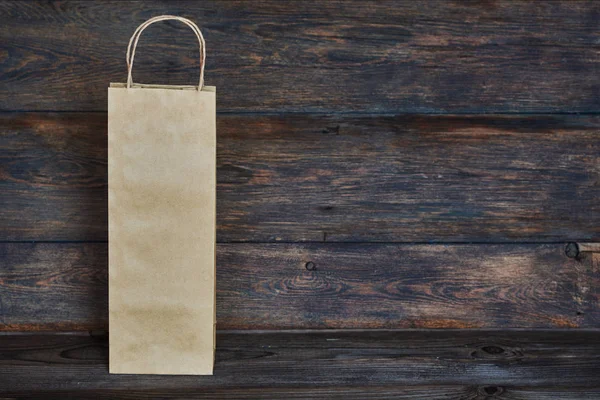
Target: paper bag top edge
pixel 154 86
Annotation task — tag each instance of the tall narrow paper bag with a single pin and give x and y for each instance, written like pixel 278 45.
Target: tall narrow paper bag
pixel 161 205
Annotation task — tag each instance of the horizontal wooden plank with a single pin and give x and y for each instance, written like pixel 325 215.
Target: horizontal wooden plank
pixel 391 56
pixel 308 360
pixel 346 178
pixel 402 392
pixel 50 286
pixel 341 393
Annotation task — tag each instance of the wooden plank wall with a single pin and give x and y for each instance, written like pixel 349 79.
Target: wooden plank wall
pixel 388 165
pixel 323 364
pixel 298 178
pixel 63 286
pixel 345 56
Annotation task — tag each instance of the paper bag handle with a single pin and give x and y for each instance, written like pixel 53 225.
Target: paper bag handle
pixel 138 32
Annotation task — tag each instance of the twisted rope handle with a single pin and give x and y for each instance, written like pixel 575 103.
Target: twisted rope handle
pixel 138 32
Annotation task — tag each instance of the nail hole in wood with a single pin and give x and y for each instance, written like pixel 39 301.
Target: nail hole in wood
pixel 572 250
pixel 331 129
pixel 310 266
pixel 492 390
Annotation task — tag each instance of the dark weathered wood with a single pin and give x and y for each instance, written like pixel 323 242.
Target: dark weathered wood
pixel 400 392
pixel 411 286
pixel 267 286
pixel 341 393
pixel 388 56
pixel 53 286
pixel 322 359
pixel 303 178
pixel 53 177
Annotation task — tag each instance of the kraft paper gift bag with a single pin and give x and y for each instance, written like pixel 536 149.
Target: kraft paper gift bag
pixel 161 201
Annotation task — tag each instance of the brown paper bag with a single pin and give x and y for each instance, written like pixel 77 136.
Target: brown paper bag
pixel 161 189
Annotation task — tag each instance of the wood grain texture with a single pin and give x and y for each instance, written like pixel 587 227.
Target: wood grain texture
pixel 309 178
pixel 50 286
pixel 53 286
pixel 53 177
pixel 390 56
pixel 323 359
pixel 400 392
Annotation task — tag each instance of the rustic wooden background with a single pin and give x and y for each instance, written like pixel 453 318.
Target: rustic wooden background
pixel 401 189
